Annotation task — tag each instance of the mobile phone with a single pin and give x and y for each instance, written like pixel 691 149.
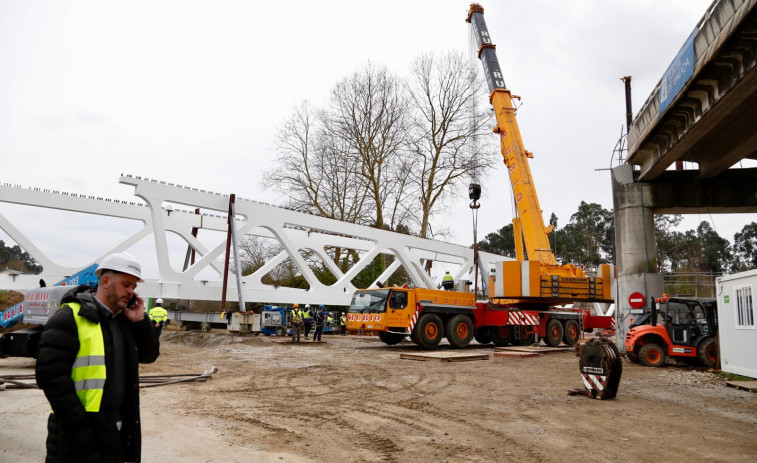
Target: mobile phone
pixel 132 301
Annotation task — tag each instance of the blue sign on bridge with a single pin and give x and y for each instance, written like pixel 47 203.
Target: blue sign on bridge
pixel 679 72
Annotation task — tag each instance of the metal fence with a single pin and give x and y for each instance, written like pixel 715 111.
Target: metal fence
pixel 694 284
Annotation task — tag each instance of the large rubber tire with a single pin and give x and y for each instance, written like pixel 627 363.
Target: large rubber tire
pixel 390 339
pixel 459 331
pixel 281 330
pixel 502 335
pixel 483 336
pixel 554 334
pixel 430 330
pixel 415 335
pixel 525 338
pixel 632 357
pixel 652 355
pixel 707 352
pixel 571 333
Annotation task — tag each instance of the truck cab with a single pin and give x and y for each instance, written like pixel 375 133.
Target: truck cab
pixel 387 309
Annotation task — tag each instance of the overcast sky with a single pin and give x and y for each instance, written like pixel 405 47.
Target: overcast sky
pixel 192 92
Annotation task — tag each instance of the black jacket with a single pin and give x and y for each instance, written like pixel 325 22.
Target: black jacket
pixel 75 435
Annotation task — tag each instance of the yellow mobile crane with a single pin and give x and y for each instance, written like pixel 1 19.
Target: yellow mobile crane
pixel 538 279
pixel 522 293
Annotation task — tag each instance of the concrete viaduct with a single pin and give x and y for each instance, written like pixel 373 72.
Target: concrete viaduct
pixel 703 111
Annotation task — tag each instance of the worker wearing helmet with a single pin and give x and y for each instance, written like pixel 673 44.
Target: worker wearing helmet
pixel 159 316
pixel 448 282
pixel 320 319
pixel 307 319
pixel 87 366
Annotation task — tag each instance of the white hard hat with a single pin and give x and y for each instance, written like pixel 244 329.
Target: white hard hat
pixel 121 262
pixel 158 301
pixel 307 306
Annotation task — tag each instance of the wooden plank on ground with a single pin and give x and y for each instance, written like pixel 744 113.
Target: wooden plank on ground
pixel 536 349
pixel 446 356
pixel 515 355
pixel 750 386
pixel 302 342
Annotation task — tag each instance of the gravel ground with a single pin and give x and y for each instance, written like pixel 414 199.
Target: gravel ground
pixel 354 400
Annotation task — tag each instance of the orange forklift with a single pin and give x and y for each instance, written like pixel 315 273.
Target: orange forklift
pixel 683 328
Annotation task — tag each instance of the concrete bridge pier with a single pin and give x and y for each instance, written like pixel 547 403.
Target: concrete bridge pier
pixel 636 247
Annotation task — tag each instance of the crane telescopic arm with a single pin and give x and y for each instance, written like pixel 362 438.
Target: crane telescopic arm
pixel 529 223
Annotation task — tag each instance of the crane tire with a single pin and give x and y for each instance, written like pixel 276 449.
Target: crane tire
pixel 459 331
pixel 502 335
pixel 554 334
pixel 430 330
pixel 571 333
pixel 483 336
pixel 281 330
pixel 390 339
pixel 526 338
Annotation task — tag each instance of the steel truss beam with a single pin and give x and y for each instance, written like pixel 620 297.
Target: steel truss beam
pixel 296 232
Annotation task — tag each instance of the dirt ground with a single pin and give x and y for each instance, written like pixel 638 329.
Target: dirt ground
pixel 354 400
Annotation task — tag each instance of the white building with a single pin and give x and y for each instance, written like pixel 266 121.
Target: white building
pixel 736 323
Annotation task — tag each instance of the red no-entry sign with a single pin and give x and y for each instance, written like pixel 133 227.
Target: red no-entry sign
pixel 636 300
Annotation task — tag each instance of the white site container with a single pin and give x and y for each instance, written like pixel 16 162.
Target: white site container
pixel 736 323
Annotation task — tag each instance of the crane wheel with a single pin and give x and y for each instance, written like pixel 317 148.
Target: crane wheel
pixel 483 336
pixel 390 339
pixel 459 331
pixel 430 330
pixel 652 355
pixel 571 333
pixel 554 333
pixel 527 336
pixel 707 352
pixel 281 330
pixel 502 335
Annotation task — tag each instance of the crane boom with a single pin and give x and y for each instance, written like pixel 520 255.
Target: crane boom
pixel 535 278
pixel 531 223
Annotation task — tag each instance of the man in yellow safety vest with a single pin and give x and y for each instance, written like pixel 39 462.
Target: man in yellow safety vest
pixel 448 282
pixel 87 366
pixel 159 316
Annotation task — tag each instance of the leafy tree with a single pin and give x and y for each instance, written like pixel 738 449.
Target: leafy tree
pixel 745 247
pixel 501 242
pixel 589 237
pixel 700 250
pixel 666 239
pixel 16 258
pixel 715 255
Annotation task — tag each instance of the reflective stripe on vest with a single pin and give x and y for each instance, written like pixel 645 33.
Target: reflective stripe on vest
pixel 158 314
pixel 88 370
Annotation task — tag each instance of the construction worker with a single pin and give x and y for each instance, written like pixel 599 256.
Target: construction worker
pixel 158 315
pixel 343 324
pixel 296 323
pixel 448 282
pixel 307 320
pixel 320 319
pixel 88 367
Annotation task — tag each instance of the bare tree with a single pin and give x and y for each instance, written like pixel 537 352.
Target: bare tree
pixel 366 116
pixel 315 171
pixel 445 128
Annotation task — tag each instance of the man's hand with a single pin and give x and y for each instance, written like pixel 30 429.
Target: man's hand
pixel 136 312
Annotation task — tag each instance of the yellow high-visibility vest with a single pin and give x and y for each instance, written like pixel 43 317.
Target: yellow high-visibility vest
pixel 158 314
pixel 88 370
